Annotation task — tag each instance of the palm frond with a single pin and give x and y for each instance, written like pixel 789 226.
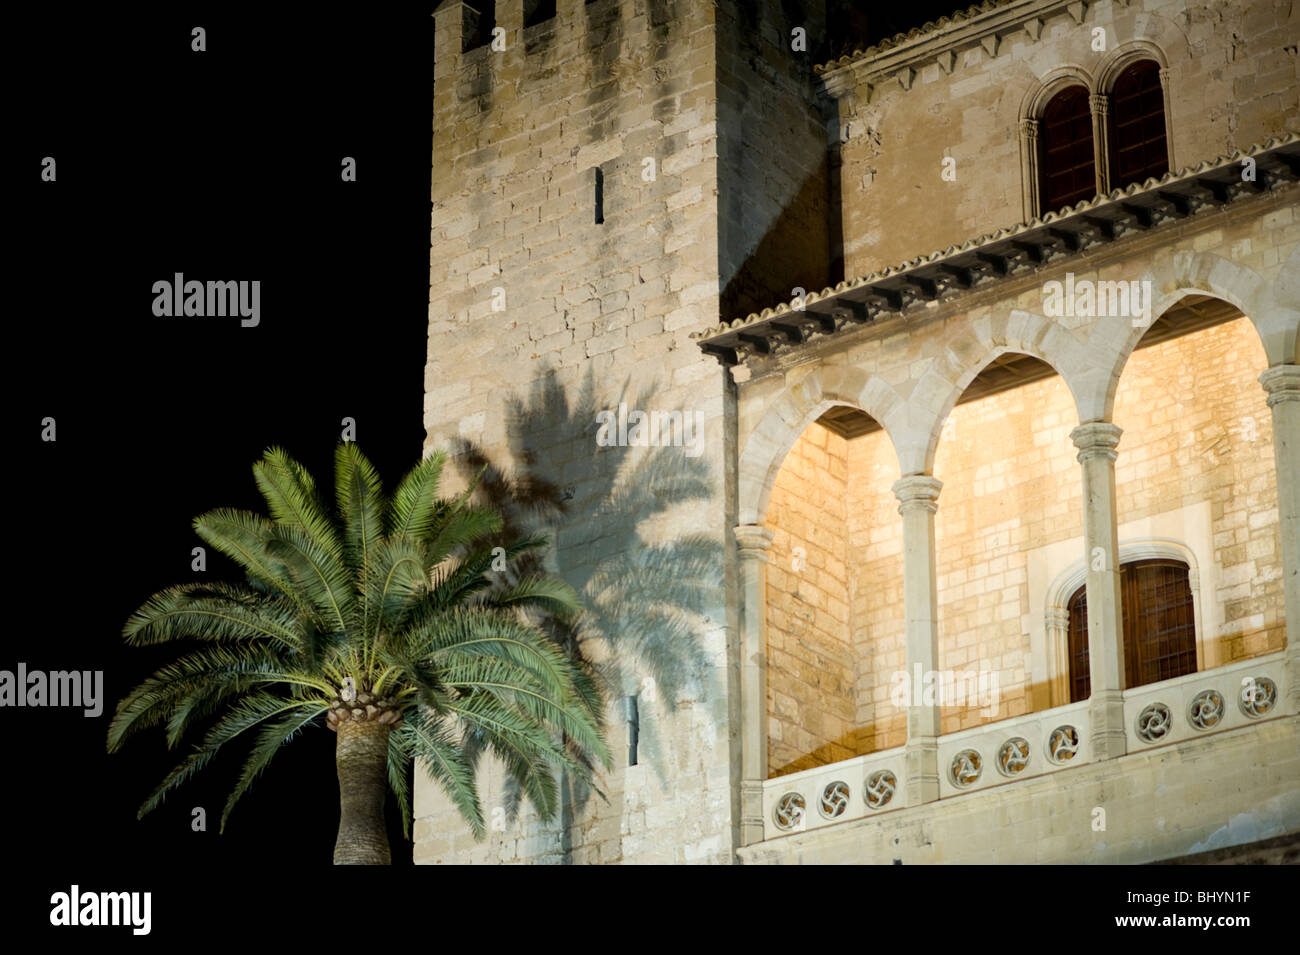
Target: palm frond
pixel 244 715
pixel 415 503
pixel 445 763
pixel 396 584
pixel 270 739
pixel 291 495
pixel 527 750
pixel 319 581
pixel 215 612
pixel 551 595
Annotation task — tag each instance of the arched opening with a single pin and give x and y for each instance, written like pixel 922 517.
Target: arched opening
pixel 1159 620
pixel 1195 464
pixel 1138 136
pixel 1067 169
pixel 1011 491
pixel 834 596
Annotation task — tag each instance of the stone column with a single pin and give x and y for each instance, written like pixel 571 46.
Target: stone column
pixel 1057 625
pixel 1096 442
pixel 1100 105
pixel 1029 163
pixel 1282 382
pixel 752 542
pixel 917 496
pixel 1169 114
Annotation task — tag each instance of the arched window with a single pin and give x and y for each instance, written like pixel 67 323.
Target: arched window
pixel 1067 173
pixel 1138 148
pixel 1159 626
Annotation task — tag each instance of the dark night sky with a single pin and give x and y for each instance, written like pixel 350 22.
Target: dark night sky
pixel 221 165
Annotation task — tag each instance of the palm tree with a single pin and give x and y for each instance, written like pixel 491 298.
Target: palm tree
pixel 392 622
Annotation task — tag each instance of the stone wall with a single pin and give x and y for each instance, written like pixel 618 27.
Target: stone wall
pixel 876 564
pixel 595 314
pixel 1232 81
pixel 810 658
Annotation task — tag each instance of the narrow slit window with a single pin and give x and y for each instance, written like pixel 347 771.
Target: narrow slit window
pixel 600 196
pixel 633 729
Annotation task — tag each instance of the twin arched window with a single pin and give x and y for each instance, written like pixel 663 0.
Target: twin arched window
pixel 1159 624
pixel 1131 121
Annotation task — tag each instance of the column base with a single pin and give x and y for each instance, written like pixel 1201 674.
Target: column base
pixel 1106 713
pixel 1292 664
pixel 751 813
pixel 921 759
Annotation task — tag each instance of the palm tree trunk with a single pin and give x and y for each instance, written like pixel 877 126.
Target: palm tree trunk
pixel 361 754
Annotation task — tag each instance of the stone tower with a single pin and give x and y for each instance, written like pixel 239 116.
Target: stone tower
pixel 609 176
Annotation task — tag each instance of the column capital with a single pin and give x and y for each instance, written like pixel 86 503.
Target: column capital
pixel 1164 76
pixel 1099 103
pixel 1096 438
pixel 753 540
pixel 1029 128
pixel 1282 382
pixel 917 491
pixel 1058 618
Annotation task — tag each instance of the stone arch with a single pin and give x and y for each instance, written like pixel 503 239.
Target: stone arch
pixel 1054 649
pixel 1049 84
pixel 792 411
pixel 1076 575
pixel 1158 34
pixel 1124 56
pixel 1202 273
pixel 970 351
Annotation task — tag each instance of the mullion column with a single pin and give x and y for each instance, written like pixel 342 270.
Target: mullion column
pixel 753 542
pixel 1282 382
pixel 1169 129
pixel 1029 163
pixel 1100 106
pixel 918 495
pixel 1097 441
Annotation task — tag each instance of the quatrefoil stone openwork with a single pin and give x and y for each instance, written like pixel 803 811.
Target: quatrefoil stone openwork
pixel 880 788
pixel 1063 744
pixel 1013 756
pixel 1258 694
pixel 1154 722
pixel 1206 710
pixel 966 768
pixel 835 799
pixel 789 811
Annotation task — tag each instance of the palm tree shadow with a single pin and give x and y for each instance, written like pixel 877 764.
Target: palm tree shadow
pixel 601 507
